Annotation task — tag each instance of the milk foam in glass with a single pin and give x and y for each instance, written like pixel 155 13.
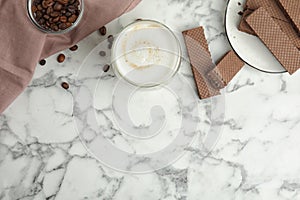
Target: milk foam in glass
pixel 146 53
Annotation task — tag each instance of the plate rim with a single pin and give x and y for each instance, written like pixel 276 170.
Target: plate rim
pixel 257 68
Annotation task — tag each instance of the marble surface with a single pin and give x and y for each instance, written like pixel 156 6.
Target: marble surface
pixel 42 155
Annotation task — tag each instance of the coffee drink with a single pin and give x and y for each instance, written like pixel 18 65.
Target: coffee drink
pixel 146 53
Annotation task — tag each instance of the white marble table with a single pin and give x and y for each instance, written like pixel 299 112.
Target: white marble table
pixel 254 157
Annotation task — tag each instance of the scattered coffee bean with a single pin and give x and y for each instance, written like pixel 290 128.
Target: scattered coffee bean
pixel 61 58
pixel 74 48
pixel 106 68
pixel 65 85
pixel 110 38
pixel 55 15
pixel 102 30
pixel 102 53
pixel 109 46
pixel 42 62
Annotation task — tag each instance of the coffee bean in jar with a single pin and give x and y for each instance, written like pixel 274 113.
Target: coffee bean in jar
pixel 56 15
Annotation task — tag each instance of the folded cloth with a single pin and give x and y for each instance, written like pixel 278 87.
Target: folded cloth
pixel 22 45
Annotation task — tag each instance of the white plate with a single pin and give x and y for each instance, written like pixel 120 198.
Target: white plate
pixel 248 47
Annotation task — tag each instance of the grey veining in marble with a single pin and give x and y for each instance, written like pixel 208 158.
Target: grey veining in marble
pixel 255 157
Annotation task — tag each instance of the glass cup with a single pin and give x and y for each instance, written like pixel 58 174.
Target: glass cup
pixel 74 24
pixel 146 54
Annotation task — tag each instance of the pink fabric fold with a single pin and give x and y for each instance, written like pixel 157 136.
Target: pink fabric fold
pixel 22 45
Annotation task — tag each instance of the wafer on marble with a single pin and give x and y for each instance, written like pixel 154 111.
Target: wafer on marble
pixel 208 77
pixel 228 67
pixel 200 60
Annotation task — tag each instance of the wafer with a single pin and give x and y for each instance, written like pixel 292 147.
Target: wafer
pixel 276 13
pixel 200 60
pixel 244 26
pixel 292 9
pixel 275 39
pixel 227 67
pixel 270 5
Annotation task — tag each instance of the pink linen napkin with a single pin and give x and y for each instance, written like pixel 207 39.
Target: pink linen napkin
pixel 22 45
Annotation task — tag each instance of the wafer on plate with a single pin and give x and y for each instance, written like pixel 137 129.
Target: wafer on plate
pixel 292 9
pixel 275 39
pixel 275 11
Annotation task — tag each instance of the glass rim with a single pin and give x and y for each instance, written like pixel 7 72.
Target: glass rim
pixel 148 85
pixel 39 27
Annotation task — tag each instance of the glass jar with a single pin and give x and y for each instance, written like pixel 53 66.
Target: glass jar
pixel 50 31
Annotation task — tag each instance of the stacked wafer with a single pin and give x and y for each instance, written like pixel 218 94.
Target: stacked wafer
pixel 209 78
pixel 277 24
